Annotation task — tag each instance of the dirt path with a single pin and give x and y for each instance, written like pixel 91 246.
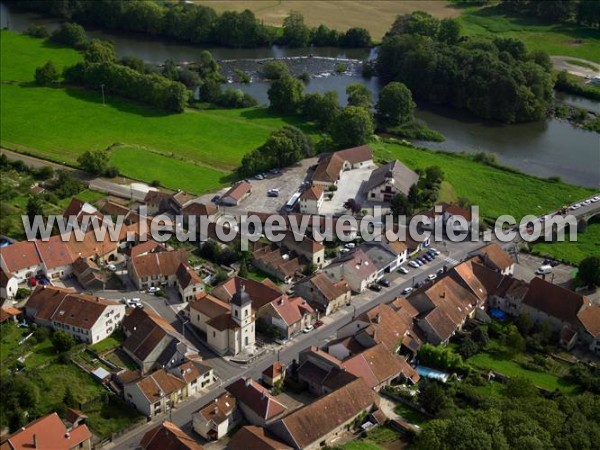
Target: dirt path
pixel 563 63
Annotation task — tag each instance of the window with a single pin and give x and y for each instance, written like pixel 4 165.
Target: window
pixel 246 313
pixel 214 334
pixel 373 195
pixel 235 312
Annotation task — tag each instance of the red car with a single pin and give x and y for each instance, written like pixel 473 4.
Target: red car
pixel 32 282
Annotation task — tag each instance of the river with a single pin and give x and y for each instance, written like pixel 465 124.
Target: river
pixel 546 148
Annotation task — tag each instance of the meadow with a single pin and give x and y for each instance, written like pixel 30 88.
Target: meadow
pixel 587 244
pixel 495 190
pixel 59 124
pixel 374 15
pixel 556 39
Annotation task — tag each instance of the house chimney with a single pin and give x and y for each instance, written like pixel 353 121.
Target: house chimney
pixel 35 441
pixel 378 318
pixel 67 435
pixel 443 294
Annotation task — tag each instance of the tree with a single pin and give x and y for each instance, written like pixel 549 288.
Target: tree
pixel 359 95
pixel 413 195
pixel 69 398
pixel 520 387
pixel 515 342
pixel 356 38
pixel 352 205
pixel 395 105
pixel 285 95
pixel 70 34
pixel 37 31
pixel 434 398
pixel 321 108
pixel 352 127
pixel 34 207
pixel 94 161
pixel 400 205
pixel 46 74
pixel 295 32
pixel 274 70
pixel 449 31
pixel 62 341
pixel 99 51
pixel 589 271
pixel 468 347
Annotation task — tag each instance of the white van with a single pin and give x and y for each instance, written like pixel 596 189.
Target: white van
pixel 544 270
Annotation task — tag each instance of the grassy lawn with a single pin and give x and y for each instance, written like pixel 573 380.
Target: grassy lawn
pixel 360 445
pixel 488 361
pixel 215 138
pixel 587 244
pixel 409 414
pixel 108 418
pixel 172 173
pixel 496 191
pixel 113 341
pixel 10 335
pixel 87 196
pixel 556 39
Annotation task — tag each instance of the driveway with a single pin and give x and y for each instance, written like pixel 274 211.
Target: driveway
pixel 349 186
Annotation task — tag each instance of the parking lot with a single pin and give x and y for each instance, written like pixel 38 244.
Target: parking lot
pixel 528 264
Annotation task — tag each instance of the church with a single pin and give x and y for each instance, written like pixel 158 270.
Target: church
pixel 233 332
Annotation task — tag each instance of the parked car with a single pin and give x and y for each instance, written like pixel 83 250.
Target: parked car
pixel 407 291
pixel 596 199
pixel 112 267
pixel 440 271
pixel 215 199
pixel 308 329
pixel 431 276
pixel 350 245
pixel 384 282
pixel 124 300
pixel 418 284
pixel 375 287
pixel 260 176
pixel 544 270
pixel 575 206
pixel 153 289
pixel 435 251
pixel 403 270
pixel 273 193
pixel 414 264
pixel 423 261
pixel 428 257
pixel 274 171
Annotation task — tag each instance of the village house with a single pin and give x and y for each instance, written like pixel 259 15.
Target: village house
pixel 237 194
pixel 279 262
pixel 162 390
pixel 80 211
pixel 256 403
pixel 156 269
pixel 356 268
pixel 317 423
pixel 494 257
pixel 444 213
pixel 152 342
pixel 89 274
pixel 261 292
pixel 156 202
pixel 331 165
pixel 387 256
pixel 388 180
pixel 311 200
pixel 189 282
pixel 312 250
pixel 289 315
pixel 49 432
pixel 8 285
pixel 217 418
pixel 252 437
pixel 589 329
pixel 324 294
pixel 273 374
pixel 321 372
pixel 168 436
pixel 87 318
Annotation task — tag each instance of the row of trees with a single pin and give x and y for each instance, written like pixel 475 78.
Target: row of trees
pixel 196 23
pixel 585 12
pixel 495 79
pixel 283 147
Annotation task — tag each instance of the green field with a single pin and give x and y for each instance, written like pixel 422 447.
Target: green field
pixel 587 244
pixel 496 191
pixel 556 39
pixel 61 123
pixel 502 365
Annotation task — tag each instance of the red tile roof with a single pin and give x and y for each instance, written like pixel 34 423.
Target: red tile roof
pixel 328 169
pixel 50 433
pixel 590 319
pixel 312 422
pixel 161 263
pixel 356 155
pixel 274 370
pixel 219 409
pixel 312 193
pixel 261 293
pixel 238 190
pixel 186 276
pixel 554 300
pixel 256 397
pixel 291 310
pixel 20 255
pixel 209 306
pixel 159 384
pixel 199 209
pixel 497 256
pixel 376 365
pixel 252 437
pixel 168 436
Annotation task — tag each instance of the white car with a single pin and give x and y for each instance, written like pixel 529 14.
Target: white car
pixel 259 177
pixel 431 277
pixel 575 206
pixel 308 329
pixel 587 203
pixel 407 291
pixel 130 303
pixel 596 199
pixel 112 267
pixel 435 251
pixel 350 245
pixel 413 264
pixel 153 289
pixel 403 270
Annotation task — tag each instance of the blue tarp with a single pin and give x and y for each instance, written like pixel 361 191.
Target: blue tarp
pixel 497 314
pixel 428 372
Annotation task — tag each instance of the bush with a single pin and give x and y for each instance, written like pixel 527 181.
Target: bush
pixel 62 341
pixel 22 293
pixel 46 75
pixel 37 31
pixel 70 34
pixel 274 70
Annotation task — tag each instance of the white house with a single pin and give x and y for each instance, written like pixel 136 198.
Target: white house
pixel 356 268
pixel 8 285
pixel 311 200
pixel 217 418
pixel 388 180
pixel 87 318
